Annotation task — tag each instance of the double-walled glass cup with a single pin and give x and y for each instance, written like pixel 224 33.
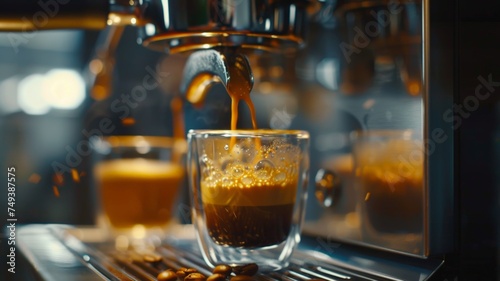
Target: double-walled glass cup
pixel 248 190
pixel 389 172
pixel 137 180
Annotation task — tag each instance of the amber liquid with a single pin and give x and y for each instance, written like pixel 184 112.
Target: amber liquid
pixel 249 216
pixel 394 207
pixel 392 190
pixel 239 88
pixel 138 191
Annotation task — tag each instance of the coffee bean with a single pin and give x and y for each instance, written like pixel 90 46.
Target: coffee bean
pixel 248 269
pixel 190 270
pixel 223 269
pixel 242 278
pixel 216 277
pixel 181 274
pixel 195 277
pixel 153 259
pixel 167 275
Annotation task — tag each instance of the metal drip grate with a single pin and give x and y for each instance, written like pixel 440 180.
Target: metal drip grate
pixel 57 254
pixel 131 265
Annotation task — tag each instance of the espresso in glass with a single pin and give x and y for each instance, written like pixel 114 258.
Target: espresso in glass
pixel 138 191
pixel 256 214
pixel 137 181
pixel 249 190
pixel 393 203
pixel 390 173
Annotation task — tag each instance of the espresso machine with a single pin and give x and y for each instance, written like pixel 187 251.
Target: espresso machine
pixel 411 81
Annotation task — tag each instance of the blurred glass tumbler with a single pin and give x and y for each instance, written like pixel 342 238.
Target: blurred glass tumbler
pixel 249 191
pixel 389 172
pixel 138 180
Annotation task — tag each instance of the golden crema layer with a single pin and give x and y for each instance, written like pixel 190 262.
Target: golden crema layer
pixel 138 191
pixel 267 194
pixel 137 169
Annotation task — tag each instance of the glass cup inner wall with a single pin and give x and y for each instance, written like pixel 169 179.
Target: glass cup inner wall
pixel 248 190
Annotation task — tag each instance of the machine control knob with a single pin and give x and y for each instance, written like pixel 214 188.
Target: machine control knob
pixel 328 187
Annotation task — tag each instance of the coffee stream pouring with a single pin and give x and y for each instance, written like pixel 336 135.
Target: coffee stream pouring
pixel 204 68
pixel 207 67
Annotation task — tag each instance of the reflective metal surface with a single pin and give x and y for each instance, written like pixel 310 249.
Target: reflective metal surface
pixel 370 60
pixel 177 25
pixel 207 67
pixel 366 58
pixel 60 252
pixel 25 15
pixel 328 187
pixel 173 26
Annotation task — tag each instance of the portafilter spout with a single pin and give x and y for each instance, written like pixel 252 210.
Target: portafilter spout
pixel 207 67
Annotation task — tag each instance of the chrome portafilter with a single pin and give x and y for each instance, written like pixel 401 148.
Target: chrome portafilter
pixel 178 26
pixel 171 26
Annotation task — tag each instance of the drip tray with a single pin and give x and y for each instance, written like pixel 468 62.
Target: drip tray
pixel 60 252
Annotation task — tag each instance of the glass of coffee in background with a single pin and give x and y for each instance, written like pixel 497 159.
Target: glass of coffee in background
pixel 248 189
pixel 389 173
pixel 137 180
